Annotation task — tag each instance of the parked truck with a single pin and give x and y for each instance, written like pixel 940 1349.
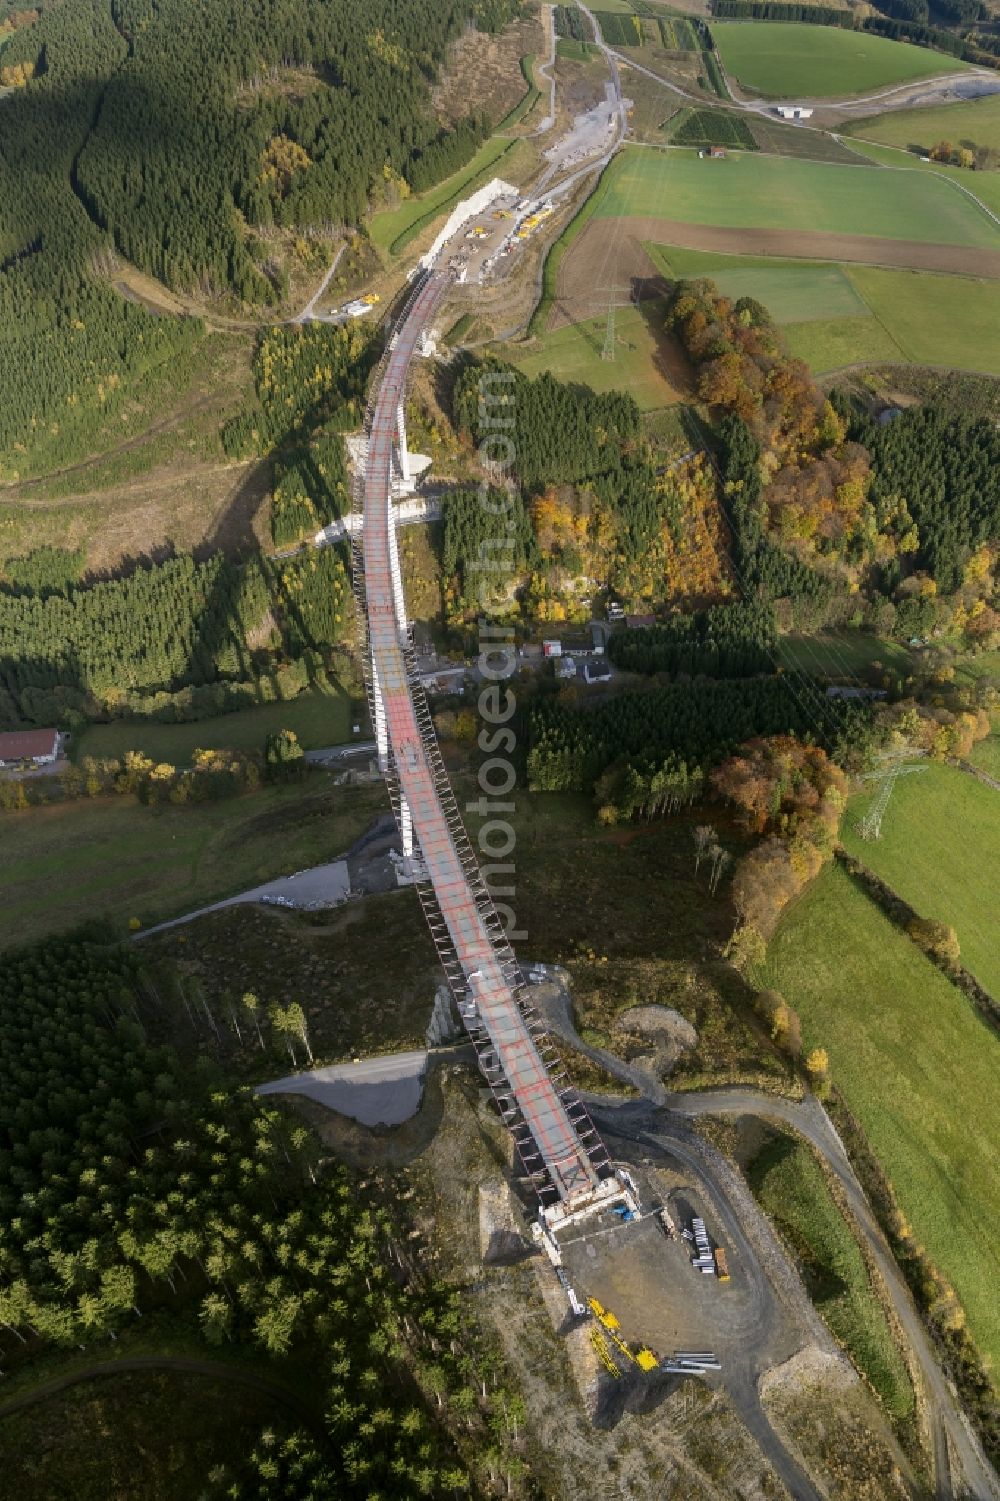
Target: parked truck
pixel 721 1265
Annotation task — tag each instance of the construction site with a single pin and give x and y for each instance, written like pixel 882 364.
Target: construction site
pixel 582 1195
pixel 651 1269
pixel 658 1272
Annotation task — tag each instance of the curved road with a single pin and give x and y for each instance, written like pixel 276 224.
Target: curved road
pixel 545 70
pixel 751 1331
pixel 808 1118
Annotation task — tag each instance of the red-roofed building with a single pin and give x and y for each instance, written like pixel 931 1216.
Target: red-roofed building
pixel 40 747
pixel 640 622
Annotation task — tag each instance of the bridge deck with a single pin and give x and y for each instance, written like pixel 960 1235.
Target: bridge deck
pixel 566 1159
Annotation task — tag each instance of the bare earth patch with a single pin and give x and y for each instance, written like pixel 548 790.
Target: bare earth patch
pixel 182 505
pixel 591 261
pixel 668 1033
pixel 487 70
pixel 822 1411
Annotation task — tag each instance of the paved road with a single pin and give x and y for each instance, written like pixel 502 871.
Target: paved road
pixel 320 886
pixel 612 59
pixel 971 85
pixel 810 1120
pixel 776 1318
pixel 377 1092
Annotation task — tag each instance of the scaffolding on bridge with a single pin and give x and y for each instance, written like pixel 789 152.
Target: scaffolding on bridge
pixel 559 1148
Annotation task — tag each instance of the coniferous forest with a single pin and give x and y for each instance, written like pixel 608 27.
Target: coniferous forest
pixel 702 721
pixel 140 1186
pixel 948 468
pixel 149 130
pixel 180 638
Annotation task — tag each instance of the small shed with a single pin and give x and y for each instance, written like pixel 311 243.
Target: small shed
pixel 600 634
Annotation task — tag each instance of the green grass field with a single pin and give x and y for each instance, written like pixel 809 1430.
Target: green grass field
pixel 780 60
pixel 792 291
pixel 986 755
pixel 574 51
pixel 919 1069
pixel 754 191
pixel 117 858
pixel 982 185
pixel 935 819
pixel 976 666
pixel 936 320
pixel 317 718
pixel 791 1188
pixel 830 344
pixel 843 653
pixel 390 225
pixel 975 122
pixel 574 353
pixel 838 315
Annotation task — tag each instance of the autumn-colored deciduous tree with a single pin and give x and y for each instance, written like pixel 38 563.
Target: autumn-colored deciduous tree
pixel 794 793
pixel 815 480
pixel 778 782
pixel 17 76
pixel 283 159
pixel 781 1020
pixel 817 1066
pixel 937 939
pixel 746 949
pixel 934 728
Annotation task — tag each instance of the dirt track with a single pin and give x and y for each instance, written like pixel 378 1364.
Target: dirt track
pixel 586 266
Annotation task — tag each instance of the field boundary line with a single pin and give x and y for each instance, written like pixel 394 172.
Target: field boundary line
pixel 882 146
pixel 877 318
pixel 902 914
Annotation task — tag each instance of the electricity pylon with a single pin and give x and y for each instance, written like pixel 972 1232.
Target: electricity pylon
pixel 870 826
pixel 608 352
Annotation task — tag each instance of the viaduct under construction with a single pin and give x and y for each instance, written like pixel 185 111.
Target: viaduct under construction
pixel 559 1148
